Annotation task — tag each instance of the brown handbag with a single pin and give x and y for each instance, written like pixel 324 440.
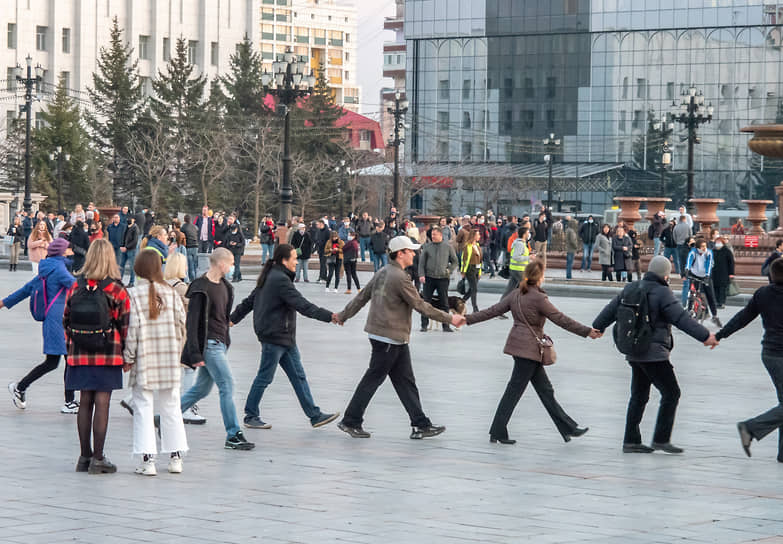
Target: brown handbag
pixel 546 347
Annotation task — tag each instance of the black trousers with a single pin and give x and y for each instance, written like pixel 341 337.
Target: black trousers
pixel 606 273
pixel 50 363
pixel 472 276
pixel 661 375
pixel 334 272
pixel 763 424
pixel 721 292
pixel 393 361
pixel 322 267
pixel 350 272
pixel 431 285
pixel 237 271
pixel 204 246
pixel 529 371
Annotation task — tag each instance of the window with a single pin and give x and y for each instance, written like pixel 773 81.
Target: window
pixel 621 121
pixel 465 119
pixel 40 38
pixel 529 117
pixel 66 40
pixel 571 7
pixel 213 53
pixel 638 119
pixel 347 75
pixel 641 88
pixel 11 35
pixel 347 37
pixel 670 90
pixel 192 51
pixel 10 119
pixel 347 56
pixel 144 47
pixel 39 121
pixel 364 135
pixel 267 14
pixel 508 86
pixel 551 87
pixel 443 89
pixel 467 151
pixel 625 87
pixel 10 79
pixel 507 122
pixel 529 91
pixel 166 49
pixel 443 121
pixel 467 84
pixel 550 118
pixel 443 151
pixel 65 77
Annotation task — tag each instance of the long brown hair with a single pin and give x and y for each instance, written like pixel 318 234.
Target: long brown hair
pixel 39 233
pixel 534 273
pixel 148 266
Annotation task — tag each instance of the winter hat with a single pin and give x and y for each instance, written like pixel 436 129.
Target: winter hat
pixel 57 247
pixel 660 266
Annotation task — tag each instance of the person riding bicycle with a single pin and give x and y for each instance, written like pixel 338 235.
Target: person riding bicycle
pixel 699 268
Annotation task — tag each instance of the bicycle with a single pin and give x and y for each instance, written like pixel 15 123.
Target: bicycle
pixel 697 305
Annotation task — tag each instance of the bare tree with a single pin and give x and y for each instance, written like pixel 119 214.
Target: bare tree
pixel 261 146
pixel 209 156
pixel 152 154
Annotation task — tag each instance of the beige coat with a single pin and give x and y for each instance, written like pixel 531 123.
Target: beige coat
pixel 392 296
pixel 36 249
pixel 154 347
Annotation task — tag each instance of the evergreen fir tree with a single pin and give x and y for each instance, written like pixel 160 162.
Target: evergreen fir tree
pixel 179 93
pixel 117 97
pixel 314 121
pixel 244 92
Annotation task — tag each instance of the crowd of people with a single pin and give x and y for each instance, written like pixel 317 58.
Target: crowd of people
pixel 168 327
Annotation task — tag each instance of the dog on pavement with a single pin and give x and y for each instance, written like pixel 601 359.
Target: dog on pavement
pixel 456 307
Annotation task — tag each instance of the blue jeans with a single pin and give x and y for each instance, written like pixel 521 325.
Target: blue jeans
pixel 364 245
pixel 675 255
pixel 587 256
pixel 301 268
pixel 192 253
pixel 569 264
pixel 267 250
pixel 656 246
pixel 215 371
pixel 379 260
pixel 290 361
pixel 129 257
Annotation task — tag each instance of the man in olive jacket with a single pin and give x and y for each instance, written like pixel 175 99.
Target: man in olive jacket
pixel 436 262
pixel 653 366
pixel 392 296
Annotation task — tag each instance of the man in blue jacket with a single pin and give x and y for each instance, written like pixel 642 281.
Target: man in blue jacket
pixel 699 265
pixel 116 232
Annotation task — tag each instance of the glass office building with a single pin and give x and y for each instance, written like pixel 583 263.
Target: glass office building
pixel 489 79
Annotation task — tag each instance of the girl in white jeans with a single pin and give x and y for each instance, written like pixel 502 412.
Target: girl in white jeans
pixel 152 356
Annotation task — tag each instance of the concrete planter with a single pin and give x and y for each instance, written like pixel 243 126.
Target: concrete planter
pixel 757 214
pixel 706 213
pixel 629 209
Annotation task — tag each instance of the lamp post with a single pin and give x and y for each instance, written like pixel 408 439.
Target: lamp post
pixel 343 172
pixel 398 111
pixel 28 83
pixel 551 144
pixel 58 157
pixel 665 128
pixel 288 83
pixel 691 113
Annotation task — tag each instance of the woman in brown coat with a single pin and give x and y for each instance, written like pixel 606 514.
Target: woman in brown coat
pixel 333 249
pixel 523 346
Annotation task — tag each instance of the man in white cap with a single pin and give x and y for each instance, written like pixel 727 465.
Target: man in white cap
pixel 392 296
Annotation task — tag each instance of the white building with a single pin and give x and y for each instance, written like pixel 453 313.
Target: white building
pixel 394 68
pixel 324 31
pixel 65 37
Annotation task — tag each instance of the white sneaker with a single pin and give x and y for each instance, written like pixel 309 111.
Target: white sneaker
pixel 70 407
pixel 334 290
pixel 147 466
pixel 175 464
pixel 192 417
pixel 18 397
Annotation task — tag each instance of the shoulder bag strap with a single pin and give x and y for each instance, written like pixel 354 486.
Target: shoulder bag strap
pixel 524 318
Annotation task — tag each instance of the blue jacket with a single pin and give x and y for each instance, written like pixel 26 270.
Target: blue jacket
pixel 153 244
pixel 57 277
pixel 116 234
pixel 708 260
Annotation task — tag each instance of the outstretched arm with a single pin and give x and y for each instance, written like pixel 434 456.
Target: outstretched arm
pixel 358 302
pixel 740 319
pixel 493 311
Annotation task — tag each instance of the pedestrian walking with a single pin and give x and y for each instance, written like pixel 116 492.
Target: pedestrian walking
pixel 95 319
pixel 767 301
pixel 682 234
pixel 722 271
pixel 158 241
pixel 571 245
pixel 670 245
pixel 266 236
pixel 520 258
pixel 221 231
pixel 207 341
pixel 776 254
pixel 622 254
pixel 54 278
pixel 650 364
pixel 235 243
pixel 350 257
pixel 379 243
pixel 156 331
pixel 37 243
pixel 364 228
pixel 392 297
pixel 206 230
pixel 603 243
pixel 333 251
pixel 471 268
pixel 436 262
pixel 542 228
pixel 275 302
pixel 303 245
pixel 530 307
pixel 655 230
pixel 116 234
pixel 322 235
pixel 191 246
pixel 16 232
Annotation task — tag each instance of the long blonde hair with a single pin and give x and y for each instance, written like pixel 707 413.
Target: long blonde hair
pixel 100 262
pixel 176 267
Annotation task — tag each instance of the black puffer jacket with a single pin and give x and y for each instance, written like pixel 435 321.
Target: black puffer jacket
pixel 235 242
pixel 665 311
pixel 303 242
pixel 274 308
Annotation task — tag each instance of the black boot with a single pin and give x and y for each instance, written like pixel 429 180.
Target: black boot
pixel 10 268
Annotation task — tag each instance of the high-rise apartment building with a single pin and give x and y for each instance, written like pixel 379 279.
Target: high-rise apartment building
pixel 488 80
pixel 393 65
pixel 65 38
pixel 324 31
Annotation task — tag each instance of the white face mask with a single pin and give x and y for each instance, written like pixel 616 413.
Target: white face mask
pixel 718 245
pixel 480 221
pixel 301 231
pixel 702 251
pixel 347 224
pixel 590 221
pixel 350 237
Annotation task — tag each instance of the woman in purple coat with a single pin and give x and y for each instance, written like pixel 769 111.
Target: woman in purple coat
pixel 58 281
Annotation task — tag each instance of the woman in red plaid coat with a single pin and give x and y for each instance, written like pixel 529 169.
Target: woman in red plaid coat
pixel 96 373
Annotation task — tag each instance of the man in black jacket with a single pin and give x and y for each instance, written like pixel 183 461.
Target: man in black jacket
pixel 275 302
pixel 364 228
pixel 191 246
pixel 767 301
pixel 588 232
pixel 128 249
pixel 653 366
pixel 541 227
pixel 207 341
pixel 235 243
pixel 322 234
pixel 303 245
pixel 766 268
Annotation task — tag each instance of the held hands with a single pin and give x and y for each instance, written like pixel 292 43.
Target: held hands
pixel 336 320
pixel 421 279
pixel 712 342
pixel 458 320
pixel 595 334
pixel 126 367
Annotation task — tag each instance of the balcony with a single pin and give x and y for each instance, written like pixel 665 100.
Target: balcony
pixel 319 41
pixel 267 36
pixel 336 43
pixel 393 47
pixel 302 39
pixel 283 38
pixel 393 23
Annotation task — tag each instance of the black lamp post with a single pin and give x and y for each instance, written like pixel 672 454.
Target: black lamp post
pixel 551 144
pixel 398 111
pixel 692 113
pixel 28 83
pixel 58 157
pixel 288 83
pixel 343 172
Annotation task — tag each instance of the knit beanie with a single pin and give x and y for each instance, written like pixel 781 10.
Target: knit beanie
pixel 660 266
pixel 57 247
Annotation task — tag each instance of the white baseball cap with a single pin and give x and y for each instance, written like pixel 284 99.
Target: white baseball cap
pixel 398 243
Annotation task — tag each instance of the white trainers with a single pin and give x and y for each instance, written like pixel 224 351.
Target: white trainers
pixel 175 463
pixel 327 289
pixel 18 397
pixel 147 466
pixel 192 417
pixel 334 290
pixel 70 407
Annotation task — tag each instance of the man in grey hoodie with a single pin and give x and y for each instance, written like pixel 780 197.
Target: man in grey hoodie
pixel 436 262
pixel 682 233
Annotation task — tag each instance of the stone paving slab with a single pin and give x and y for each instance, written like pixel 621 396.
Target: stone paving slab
pixel 312 486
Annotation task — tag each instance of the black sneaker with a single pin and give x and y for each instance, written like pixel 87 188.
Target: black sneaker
pixel 668 447
pixel 355 432
pixel 101 466
pixel 18 397
pixel 636 448
pixel 423 329
pixel 238 442
pixel 255 422
pixel 426 432
pixel 83 464
pixel 323 419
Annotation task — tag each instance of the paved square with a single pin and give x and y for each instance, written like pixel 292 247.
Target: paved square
pixel 314 486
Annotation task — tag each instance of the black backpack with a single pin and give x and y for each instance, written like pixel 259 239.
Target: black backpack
pixel 633 330
pixel 90 317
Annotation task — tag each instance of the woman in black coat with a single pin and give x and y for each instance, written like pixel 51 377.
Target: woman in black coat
pixel 622 247
pixel 221 231
pixel 80 243
pixel 303 245
pixel 722 270
pixel 235 243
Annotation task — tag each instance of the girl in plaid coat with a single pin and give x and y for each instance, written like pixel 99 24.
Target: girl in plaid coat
pixel 152 356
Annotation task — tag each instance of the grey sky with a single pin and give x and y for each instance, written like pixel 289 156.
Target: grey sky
pixel 370 61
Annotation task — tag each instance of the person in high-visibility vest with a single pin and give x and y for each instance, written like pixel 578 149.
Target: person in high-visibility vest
pixel 520 258
pixel 471 266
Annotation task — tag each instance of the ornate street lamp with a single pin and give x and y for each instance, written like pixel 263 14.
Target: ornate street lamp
pixel 58 157
pixel 551 144
pixel 398 111
pixel 691 113
pixel 28 83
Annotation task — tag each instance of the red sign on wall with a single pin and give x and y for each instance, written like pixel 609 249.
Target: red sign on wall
pixel 751 241
pixel 433 182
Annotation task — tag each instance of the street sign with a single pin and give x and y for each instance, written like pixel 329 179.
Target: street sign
pixel 751 241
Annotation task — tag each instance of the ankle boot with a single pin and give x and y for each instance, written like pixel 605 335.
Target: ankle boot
pixel 10 268
pixel 15 267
